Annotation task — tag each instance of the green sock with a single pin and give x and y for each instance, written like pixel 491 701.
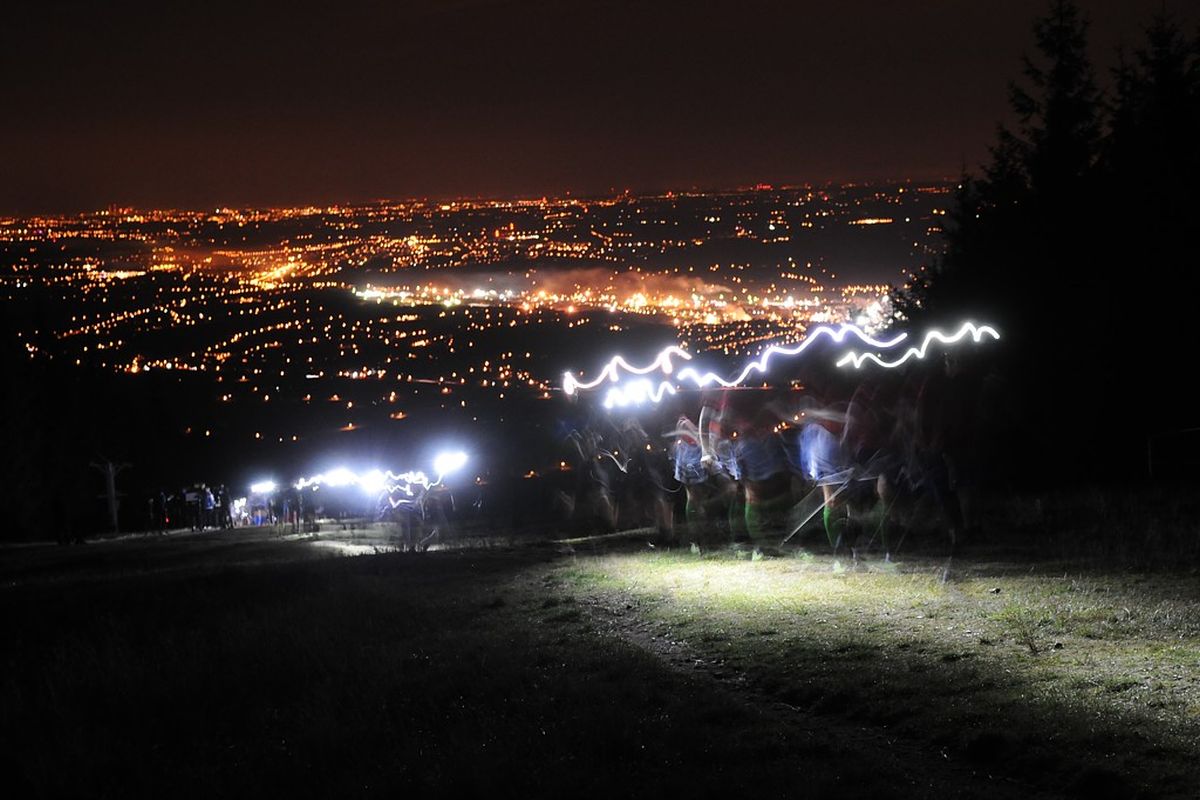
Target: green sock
pixel 827 518
pixel 754 522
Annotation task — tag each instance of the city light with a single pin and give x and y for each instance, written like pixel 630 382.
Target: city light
pixel 287 316
pixel 262 487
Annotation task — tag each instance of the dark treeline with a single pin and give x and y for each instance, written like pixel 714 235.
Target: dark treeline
pixel 59 424
pixel 1078 241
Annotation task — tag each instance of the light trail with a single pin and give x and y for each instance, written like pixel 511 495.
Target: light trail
pixel 637 392
pixel 760 364
pixel 375 481
pixel 610 372
pixel 641 390
pixel 977 332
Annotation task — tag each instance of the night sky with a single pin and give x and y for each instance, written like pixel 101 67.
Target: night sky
pixel 232 103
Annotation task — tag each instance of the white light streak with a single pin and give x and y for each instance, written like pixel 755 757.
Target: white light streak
pixel 340 477
pixel 610 372
pixel 636 392
pixel 760 364
pixel 976 332
pixel 373 481
pixel 642 390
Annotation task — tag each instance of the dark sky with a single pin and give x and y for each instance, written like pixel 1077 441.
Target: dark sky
pixel 228 103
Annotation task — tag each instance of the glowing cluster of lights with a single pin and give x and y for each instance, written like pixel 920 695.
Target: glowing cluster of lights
pixel 642 389
pixel 375 481
pixel 446 463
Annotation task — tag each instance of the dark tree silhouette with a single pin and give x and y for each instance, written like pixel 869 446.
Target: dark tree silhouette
pixel 1075 240
pixel 1152 152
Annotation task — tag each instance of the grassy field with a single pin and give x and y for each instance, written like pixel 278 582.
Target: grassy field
pixel 1067 681
pixel 237 663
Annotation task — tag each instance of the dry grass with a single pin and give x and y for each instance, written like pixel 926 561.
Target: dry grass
pixel 229 664
pixel 1056 675
pixel 212 667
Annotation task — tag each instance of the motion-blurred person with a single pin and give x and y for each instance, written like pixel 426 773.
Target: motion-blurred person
pixel 158 511
pixel 406 513
pixel 224 508
pixel 826 465
pixel 210 505
pixel 869 442
pixel 592 504
pixel 297 501
pixel 708 470
pixel 274 509
pixel 191 498
pixel 437 505
pixel 765 478
pixel 943 408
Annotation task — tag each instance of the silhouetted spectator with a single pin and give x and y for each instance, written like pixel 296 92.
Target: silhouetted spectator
pixel 191 498
pixel 210 505
pixel 225 507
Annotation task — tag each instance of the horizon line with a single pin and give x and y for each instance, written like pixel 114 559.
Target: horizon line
pixel 613 194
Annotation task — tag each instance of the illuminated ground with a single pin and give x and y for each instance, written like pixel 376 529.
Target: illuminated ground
pixel 227 663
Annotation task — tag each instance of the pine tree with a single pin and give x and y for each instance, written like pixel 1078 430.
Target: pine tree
pixel 1152 166
pixel 1152 152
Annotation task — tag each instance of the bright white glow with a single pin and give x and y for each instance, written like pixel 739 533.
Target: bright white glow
pixel 446 463
pixel 636 392
pixel 339 477
pixel 405 481
pixel 372 481
pixel 262 487
pixel 610 372
pixel 417 477
pixel 976 332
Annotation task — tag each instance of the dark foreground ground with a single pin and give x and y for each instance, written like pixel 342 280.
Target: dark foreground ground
pixel 238 663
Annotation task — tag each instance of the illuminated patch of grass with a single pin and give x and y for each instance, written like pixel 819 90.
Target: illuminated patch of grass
pixel 446 674
pixel 194 669
pixel 1073 672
